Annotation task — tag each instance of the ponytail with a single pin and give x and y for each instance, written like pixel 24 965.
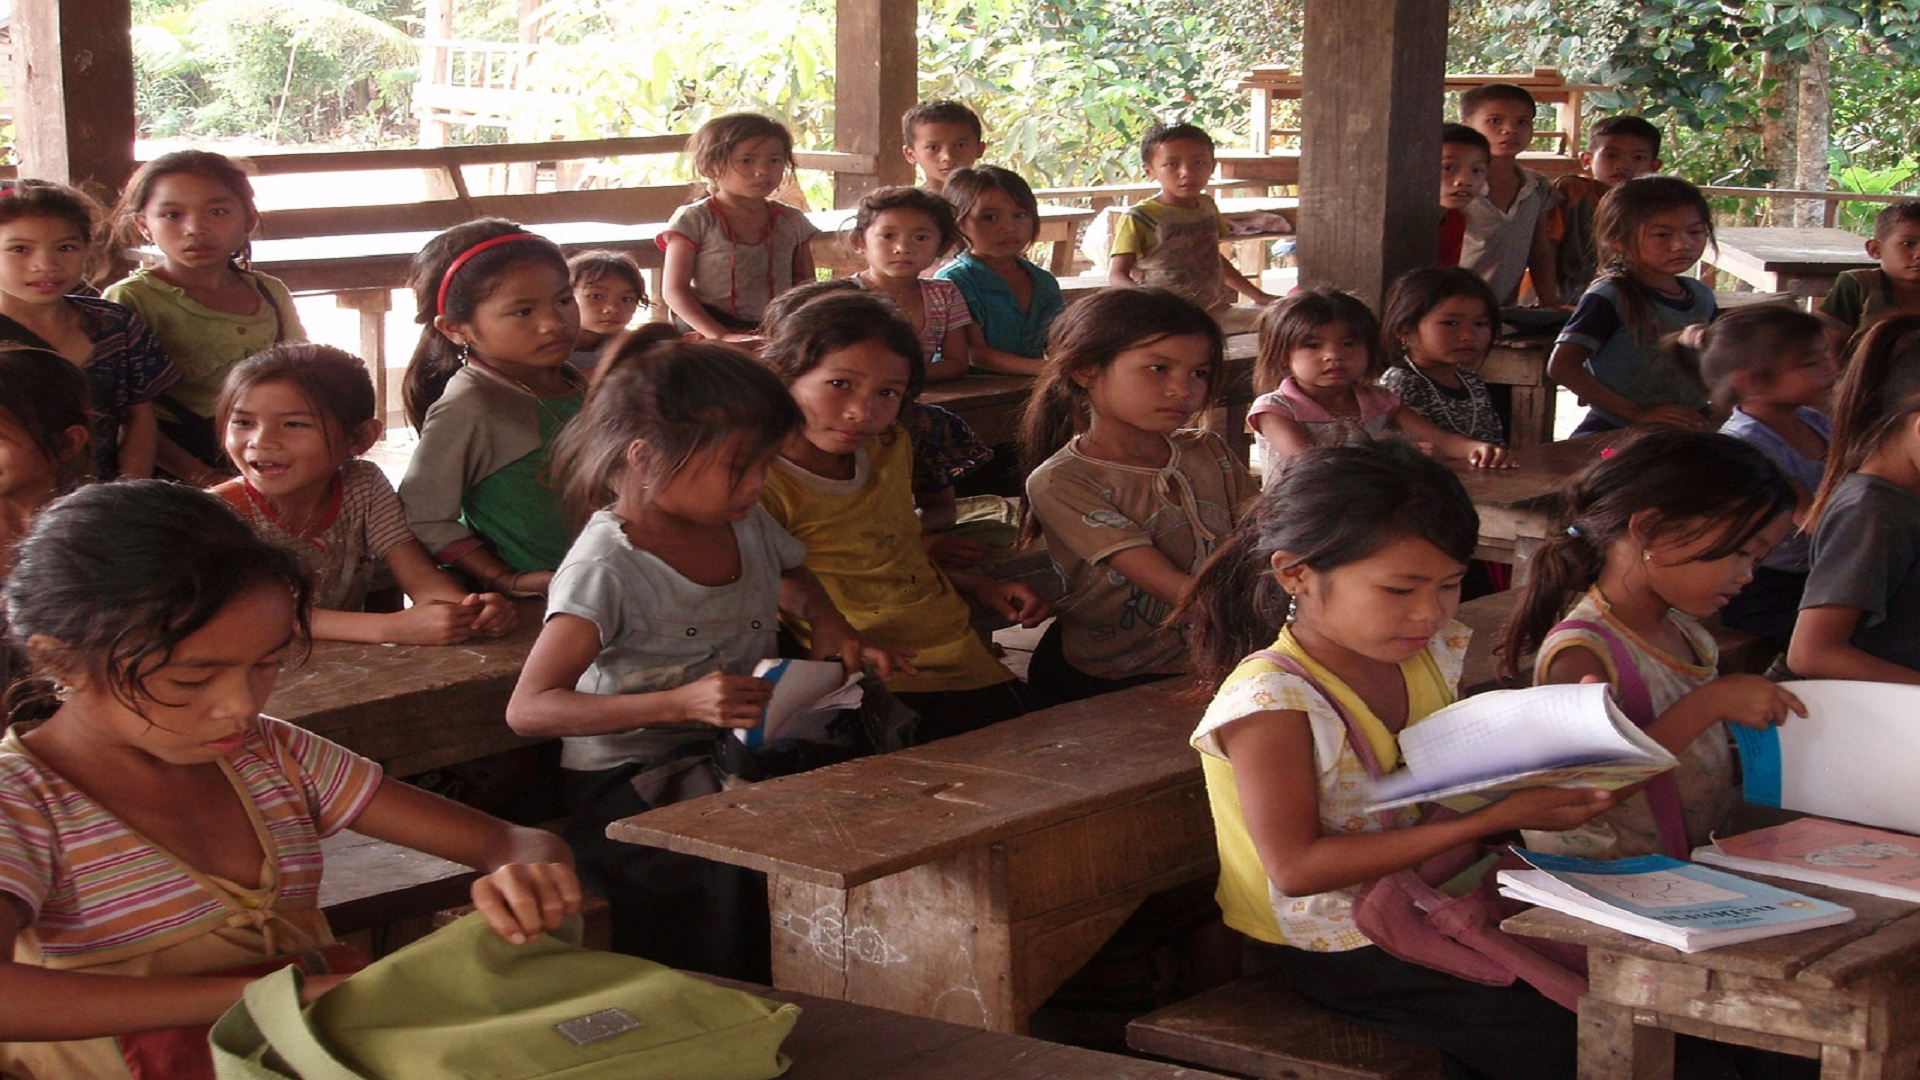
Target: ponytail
pixel 1235 603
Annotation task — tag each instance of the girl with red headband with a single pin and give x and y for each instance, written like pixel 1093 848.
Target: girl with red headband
pixel 488 389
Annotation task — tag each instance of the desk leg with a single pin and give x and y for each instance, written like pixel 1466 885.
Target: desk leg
pixel 1613 1047
pixel 1532 416
pixel 373 306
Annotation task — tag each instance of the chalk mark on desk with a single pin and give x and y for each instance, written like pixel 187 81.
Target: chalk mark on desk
pixel 825 932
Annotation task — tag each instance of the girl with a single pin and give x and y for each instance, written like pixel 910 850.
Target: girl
pixel 1130 499
pixel 841 486
pixel 1860 616
pixel 1649 231
pixel 157 828
pixel 607 288
pixel 297 418
pixel 1319 351
pixel 488 389
pixel 46 231
pixel 1356 555
pixel 654 624
pixel 205 307
pixel 1642 550
pixel 44 423
pixel 1774 366
pixel 1012 301
pixel 730 253
pixel 1440 325
pixel 900 231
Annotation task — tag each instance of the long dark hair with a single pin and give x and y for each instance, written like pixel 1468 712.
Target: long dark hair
pixel 1283 326
pixel 334 383
pixel 1693 483
pixel 48 397
pixel 1617 223
pixel 1757 338
pixel 1330 506
pixel 124 231
pixel 1418 292
pixel 830 318
pixel 1880 388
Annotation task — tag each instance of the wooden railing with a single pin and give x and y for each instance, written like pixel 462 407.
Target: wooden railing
pixel 1831 200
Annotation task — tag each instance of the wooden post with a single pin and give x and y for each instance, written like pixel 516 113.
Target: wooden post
pixel 75 83
pixel 877 56
pixel 436 70
pixel 1373 74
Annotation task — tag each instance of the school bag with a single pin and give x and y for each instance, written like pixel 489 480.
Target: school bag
pixel 463 1003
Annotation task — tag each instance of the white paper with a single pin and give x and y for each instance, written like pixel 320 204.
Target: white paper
pixel 805 694
pixel 1856 753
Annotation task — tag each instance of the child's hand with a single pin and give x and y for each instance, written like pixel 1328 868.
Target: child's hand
pixel 835 639
pixel 312 986
pixel 1548 809
pixel 952 551
pixel 722 700
pixel 1672 416
pixel 433 622
pixel 1490 456
pixel 1014 599
pixel 494 615
pixel 523 900
pixel 1748 700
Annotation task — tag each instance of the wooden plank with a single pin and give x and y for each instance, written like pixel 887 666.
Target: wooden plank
pixel 877 79
pixel 1730 999
pixel 369 883
pixel 1613 1047
pixel 441 157
pixel 1259 1028
pixel 75 105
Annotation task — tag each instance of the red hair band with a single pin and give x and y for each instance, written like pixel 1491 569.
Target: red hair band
pixel 446 279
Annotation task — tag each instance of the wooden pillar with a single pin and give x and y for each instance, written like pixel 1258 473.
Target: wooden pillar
pixel 74 65
pixel 1373 72
pixel 878 62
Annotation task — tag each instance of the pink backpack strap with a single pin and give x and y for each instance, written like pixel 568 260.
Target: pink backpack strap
pixel 1663 791
pixel 1356 737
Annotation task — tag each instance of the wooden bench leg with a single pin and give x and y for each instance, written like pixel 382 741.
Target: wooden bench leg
pixel 1613 1047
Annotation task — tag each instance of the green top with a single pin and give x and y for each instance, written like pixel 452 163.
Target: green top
pixel 517 509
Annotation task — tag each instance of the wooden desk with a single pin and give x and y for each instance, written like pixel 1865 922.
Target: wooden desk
pixel 1520 363
pixel 1515 504
pixel 1848 995
pixel 966 879
pixel 411 707
pixel 1799 261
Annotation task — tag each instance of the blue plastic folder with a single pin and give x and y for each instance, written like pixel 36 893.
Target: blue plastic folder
pixel 1760 762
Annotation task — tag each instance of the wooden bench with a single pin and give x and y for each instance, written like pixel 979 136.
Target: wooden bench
pixel 1257 1027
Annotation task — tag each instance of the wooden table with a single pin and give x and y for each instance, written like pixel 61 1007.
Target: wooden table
pixel 1800 261
pixel 411 707
pixel 1848 995
pixel 1516 505
pixel 965 880
pixel 1520 363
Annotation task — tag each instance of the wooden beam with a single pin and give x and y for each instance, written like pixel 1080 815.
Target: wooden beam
pixel 1370 145
pixel 75 113
pixel 878 63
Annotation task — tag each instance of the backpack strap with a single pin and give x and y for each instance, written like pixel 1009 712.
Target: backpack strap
pixel 1356 736
pixel 1636 700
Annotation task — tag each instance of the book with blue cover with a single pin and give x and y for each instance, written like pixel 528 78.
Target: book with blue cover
pixel 1665 900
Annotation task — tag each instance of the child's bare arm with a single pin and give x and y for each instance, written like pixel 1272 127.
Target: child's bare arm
pixel 803 268
pixel 140 443
pixel 955 357
pixel 1450 445
pixel 1543 257
pixel 1120 270
pixel 834 638
pixel 1239 282
pixel 1147 568
pixel 1284 435
pixel 545 703
pixel 1566 365
pixel 676 287
pixel 991 359
pixel 1822 648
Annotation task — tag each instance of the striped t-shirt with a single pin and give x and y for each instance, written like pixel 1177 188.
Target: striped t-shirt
pixel 92 887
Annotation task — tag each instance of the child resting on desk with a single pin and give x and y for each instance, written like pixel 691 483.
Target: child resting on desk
pixel 1506 227
pixel 1172 240
pixel 1861 298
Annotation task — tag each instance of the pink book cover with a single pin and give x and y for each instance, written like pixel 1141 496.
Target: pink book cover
pixel 1829 852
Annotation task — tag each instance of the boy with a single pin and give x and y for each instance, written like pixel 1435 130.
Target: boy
pixel 1173 239
pixel 1506 227
pixel 942 137
pixel 1861 298
pixel 1618 148
pixel 1464 156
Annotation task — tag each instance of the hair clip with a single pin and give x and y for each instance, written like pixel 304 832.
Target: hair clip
pixel 1607 452
pixel 1576 532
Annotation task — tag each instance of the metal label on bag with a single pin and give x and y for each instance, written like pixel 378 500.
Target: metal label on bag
pixel 597 1026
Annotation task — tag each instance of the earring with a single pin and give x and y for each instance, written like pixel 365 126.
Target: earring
pixel 1646 556
pixel 463 353
pixel 1293 608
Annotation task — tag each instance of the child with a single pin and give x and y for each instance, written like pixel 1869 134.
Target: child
pixel 156 827
pixel 1130 499
pixel 488 389
pixel 1172 240
pixel 900 231
pixel 1861 298
pixel 45 235
pixel 44 430
pixel 1355 556
pixel 1464 157
pixel 204 306
pixel 1648 542
pixel 1773 365
pixel 654 624
pixel 1860 615
pixel 1440 325
pixel 731 252
pixel 608 289
pixel 1506 227
pixel 1012 301
pixel 1618 148
pixel 1319 352
pixel 941 138
pixel 1650 232
pixel 841 486
pixel 297 418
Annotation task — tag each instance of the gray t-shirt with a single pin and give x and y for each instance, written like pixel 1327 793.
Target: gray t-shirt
pixel 658 630
pixel 1866 555
pixel 1793 552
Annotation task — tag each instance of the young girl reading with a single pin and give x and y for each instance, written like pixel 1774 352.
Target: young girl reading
pixel 654 624
pixel 608 289
pixel 842 487
pixel 1860 615
pixel 208 310
pixel 900 231
pixel 1354 557
pixel 1319 352
pixel 1440 324
pixel 297 418
pixel 730 253
pixel 1772 364
pixel 1642 550
pixel 1649 231
pixel 1012 301
pixel 156 829
pixel 489 389
pixel 1130 499
pixel 46 232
